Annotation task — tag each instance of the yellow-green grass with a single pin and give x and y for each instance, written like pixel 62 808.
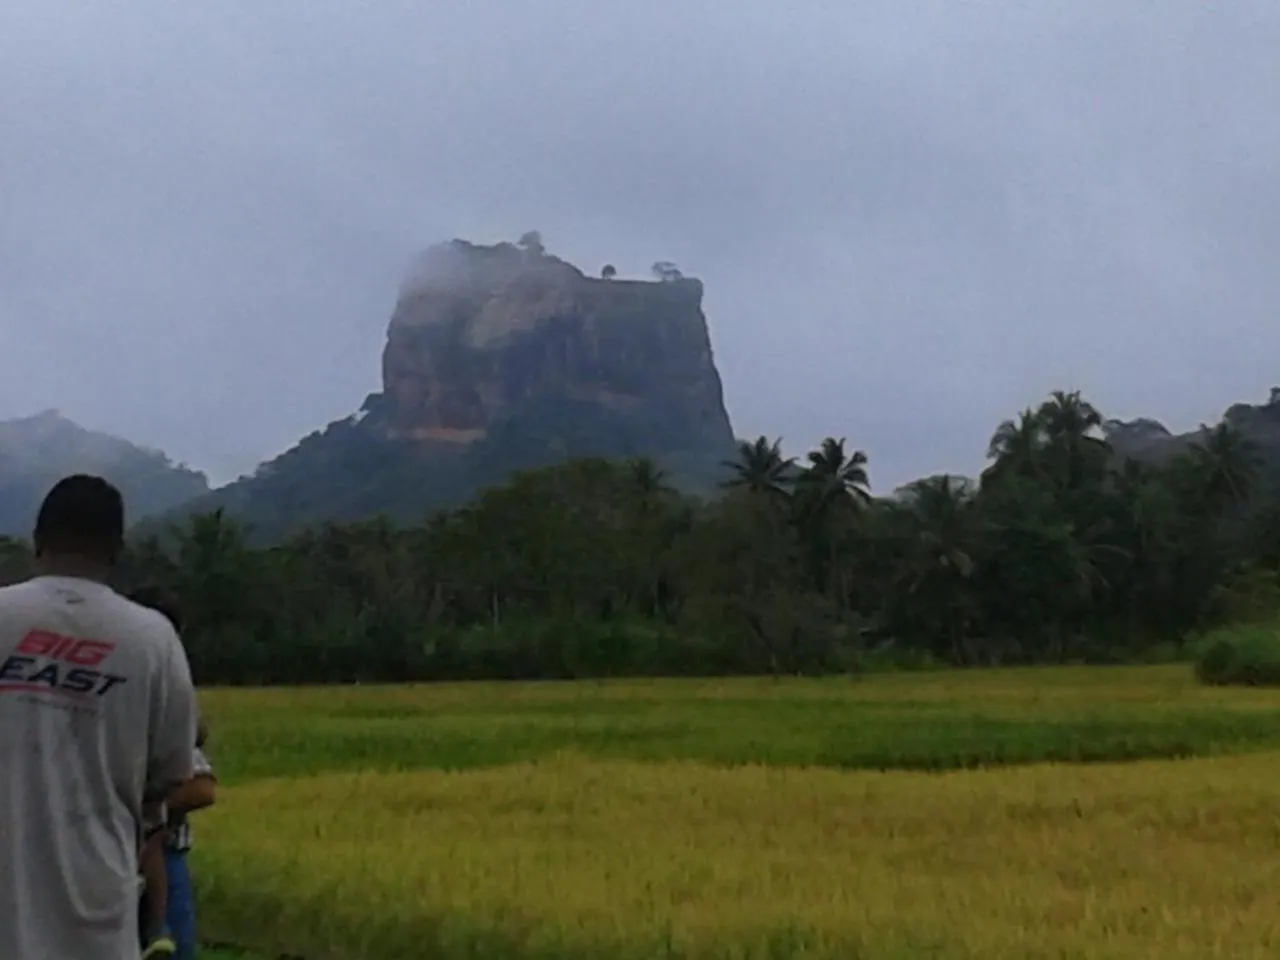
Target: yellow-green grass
pixel 915 721
pixel 579 858
pixel 693 819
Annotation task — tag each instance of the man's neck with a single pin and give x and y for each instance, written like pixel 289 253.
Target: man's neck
pixel 74 567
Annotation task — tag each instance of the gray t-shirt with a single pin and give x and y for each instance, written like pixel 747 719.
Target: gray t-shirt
pixel 97 712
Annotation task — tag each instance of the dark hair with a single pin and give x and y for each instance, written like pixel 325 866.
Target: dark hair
pixel 160 600
pixel 81 514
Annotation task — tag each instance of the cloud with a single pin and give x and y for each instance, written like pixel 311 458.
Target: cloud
pixel 911 219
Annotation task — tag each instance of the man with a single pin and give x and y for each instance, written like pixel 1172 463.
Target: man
pixel 97 723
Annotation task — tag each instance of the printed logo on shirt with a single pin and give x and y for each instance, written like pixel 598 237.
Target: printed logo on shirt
pixel 47 662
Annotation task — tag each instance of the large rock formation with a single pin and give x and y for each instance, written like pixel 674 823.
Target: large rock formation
pixel 36 451
pixel 1140 438
pixel 501 358
pixel 500 340
pixel 1150 441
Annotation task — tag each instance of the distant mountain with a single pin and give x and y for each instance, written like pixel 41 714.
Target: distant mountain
pixel 1152 442
pixel 36 451
pixel 501 358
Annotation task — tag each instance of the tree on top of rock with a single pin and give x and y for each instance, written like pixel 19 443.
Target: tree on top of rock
pixel 608 271
pixel 666 271
pixel 531 241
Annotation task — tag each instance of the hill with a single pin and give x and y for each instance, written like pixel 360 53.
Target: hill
pixel 1150 441
pixel 498 359
pixel 36 451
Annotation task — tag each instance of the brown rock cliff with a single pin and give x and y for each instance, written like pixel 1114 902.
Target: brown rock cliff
pixel 484 334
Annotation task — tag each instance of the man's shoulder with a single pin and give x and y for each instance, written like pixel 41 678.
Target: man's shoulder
pixel 29 596
pixel 96 607
pixel 25 590
pixel 88 611
pixel 137 620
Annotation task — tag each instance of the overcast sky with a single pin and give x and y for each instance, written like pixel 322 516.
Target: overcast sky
pixel 912 218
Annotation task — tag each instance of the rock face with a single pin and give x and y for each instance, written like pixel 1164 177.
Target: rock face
pixel 37 451
pixel 483 338
pixel 1137 437
pixel 502 358
pixel 1148 440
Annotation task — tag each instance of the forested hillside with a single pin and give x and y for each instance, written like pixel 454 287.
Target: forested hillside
pixel 499 359
pixel 35 451
pixel 596 568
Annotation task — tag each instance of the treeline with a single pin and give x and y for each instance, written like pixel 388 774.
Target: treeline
pixel 1060 552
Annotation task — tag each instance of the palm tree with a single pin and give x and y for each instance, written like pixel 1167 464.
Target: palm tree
pixel 210 544
pixel 214 575
pixel 942 508
pixel 1228 464
pixel 1073 446
pixel 1069 415
pixel 1143 512
pixel 760 468
pixel 829 493
pixel 1016 447
pixel 941 518
pixel 648 479
pixel 835 478
pixel 653 523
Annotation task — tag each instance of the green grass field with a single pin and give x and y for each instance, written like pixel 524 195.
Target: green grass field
pixel 747 818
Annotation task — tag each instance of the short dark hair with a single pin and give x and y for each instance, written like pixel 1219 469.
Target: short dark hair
pixel 81 514
pixel 160 600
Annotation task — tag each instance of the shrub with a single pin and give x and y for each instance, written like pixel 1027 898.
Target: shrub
pixel 1247 656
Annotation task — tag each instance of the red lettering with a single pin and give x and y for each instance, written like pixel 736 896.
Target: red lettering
pixel 80 653
pixel 88 653
pixel 40 643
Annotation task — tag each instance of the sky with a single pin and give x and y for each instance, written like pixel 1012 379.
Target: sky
pixel 912 219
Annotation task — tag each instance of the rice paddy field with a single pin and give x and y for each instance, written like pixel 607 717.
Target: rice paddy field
pixel 1053 813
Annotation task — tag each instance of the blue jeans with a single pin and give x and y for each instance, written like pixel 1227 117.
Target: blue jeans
pixel 182 905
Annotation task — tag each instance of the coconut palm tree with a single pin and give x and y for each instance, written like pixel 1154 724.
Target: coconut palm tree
pixel 942 531
pixel 1074 448
pixel 1228 464
pixel 835 478
pixel 1016 448
pixel 760 468
pixel 830 493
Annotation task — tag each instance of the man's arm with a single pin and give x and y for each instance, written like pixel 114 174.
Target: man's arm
pixel 198 792
pixel 172 738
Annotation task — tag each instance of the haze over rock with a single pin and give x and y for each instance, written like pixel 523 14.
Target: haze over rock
pixel 482 335
pixel 501 358
pixel 36 451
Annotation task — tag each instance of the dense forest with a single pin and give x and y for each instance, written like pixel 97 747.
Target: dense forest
pixel 1062 551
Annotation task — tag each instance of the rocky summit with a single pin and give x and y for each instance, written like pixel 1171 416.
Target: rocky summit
pixel 502 358
pixel 504 341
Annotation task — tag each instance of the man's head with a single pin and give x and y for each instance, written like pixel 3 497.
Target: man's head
pixel 80 525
